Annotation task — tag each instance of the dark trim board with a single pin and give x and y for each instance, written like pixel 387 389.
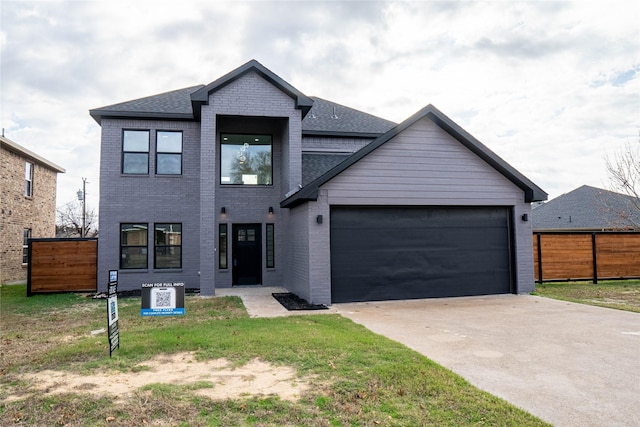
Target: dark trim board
pixel 390 253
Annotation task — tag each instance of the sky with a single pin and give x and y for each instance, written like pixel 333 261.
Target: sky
pixel 551 87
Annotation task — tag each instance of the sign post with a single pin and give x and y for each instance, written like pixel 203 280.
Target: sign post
pixel 162 299
pixel 112 311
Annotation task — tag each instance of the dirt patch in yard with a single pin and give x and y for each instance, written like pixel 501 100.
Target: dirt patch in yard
pixel 216 379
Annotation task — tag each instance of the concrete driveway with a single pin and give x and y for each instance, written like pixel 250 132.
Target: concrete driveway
pixel 569 364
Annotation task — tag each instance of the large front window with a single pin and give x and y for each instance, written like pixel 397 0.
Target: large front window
pixel 133 245
pixel 245 160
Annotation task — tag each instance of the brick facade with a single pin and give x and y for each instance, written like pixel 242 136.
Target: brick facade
pixel 19 212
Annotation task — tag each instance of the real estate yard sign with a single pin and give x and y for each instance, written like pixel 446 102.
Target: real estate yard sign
pixel 112 311
pixel 162 299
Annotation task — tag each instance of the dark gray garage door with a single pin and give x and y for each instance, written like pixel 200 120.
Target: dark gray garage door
pixel 406 252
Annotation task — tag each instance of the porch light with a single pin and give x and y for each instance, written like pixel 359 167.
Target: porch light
pixel 270 210
pixel 223 210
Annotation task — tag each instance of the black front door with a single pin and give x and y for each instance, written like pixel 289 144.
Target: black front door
pixel 247 254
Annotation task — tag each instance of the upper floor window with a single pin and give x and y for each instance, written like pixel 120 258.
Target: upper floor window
pixel 169 152
pixel 246 159
pixel 135 152
pixel 28 179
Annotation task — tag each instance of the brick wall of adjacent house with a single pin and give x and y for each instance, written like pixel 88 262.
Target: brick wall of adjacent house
pixel 19 212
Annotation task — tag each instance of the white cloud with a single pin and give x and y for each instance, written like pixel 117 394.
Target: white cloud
pixel 552 87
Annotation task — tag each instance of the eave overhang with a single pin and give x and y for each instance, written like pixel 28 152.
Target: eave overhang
pixel 98 114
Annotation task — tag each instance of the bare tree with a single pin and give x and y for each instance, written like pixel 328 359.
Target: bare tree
pixel 69 221
pixel 624 177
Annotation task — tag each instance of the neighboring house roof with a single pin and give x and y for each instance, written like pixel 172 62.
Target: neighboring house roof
pixel 19 149
pixel 321 117
pixel 315 164
pixel 531 191
pixel 327 118
pixel 587 208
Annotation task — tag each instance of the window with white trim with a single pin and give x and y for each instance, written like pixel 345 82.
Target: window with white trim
pixel 28 179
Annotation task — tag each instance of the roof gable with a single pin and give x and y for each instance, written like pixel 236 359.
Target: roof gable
pixel 200 97
pixel 531 191
pixel 588 208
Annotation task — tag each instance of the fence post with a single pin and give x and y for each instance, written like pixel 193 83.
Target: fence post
pixel 539 258
pixel 595 258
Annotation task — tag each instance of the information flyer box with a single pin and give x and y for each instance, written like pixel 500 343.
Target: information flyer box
pixel 112 312
pixel 162 299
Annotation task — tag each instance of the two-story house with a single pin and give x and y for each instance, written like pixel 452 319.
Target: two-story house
pixel 27 206
pixel 247 181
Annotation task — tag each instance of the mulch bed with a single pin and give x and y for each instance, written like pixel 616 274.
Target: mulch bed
pixel 294 302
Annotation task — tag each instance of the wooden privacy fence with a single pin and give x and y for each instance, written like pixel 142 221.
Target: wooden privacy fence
pixel 576 255
pixel 62 265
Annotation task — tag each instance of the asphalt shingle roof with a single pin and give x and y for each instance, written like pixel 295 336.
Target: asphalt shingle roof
pixel 324 118
pixel 176 103
pixel 587 208
pixel 321 117
pixel 327 118
pixel 315 164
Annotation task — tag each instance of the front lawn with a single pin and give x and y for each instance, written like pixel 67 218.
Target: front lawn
pixel 353 376
pixel 618 294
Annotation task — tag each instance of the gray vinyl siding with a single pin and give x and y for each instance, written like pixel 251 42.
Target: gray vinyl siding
pixel 422 165
pixel 148 199
pixel 425 166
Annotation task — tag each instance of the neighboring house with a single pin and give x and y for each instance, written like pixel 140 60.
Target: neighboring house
pixel 247 181
pixel 28 205
pixel 587 209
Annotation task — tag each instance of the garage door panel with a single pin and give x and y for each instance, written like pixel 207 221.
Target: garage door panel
pixel 401 253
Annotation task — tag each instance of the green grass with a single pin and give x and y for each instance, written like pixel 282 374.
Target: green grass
pixel 359 378
pixel 618 294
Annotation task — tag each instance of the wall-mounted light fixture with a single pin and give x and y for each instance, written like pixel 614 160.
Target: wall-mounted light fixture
pixel 223 210
pixel 525 217
pixel 319 219
pixel 270 210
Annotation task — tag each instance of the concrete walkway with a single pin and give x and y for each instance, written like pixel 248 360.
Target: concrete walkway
pixel 569 364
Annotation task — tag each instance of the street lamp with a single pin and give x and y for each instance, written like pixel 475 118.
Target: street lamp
pixel 82 197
